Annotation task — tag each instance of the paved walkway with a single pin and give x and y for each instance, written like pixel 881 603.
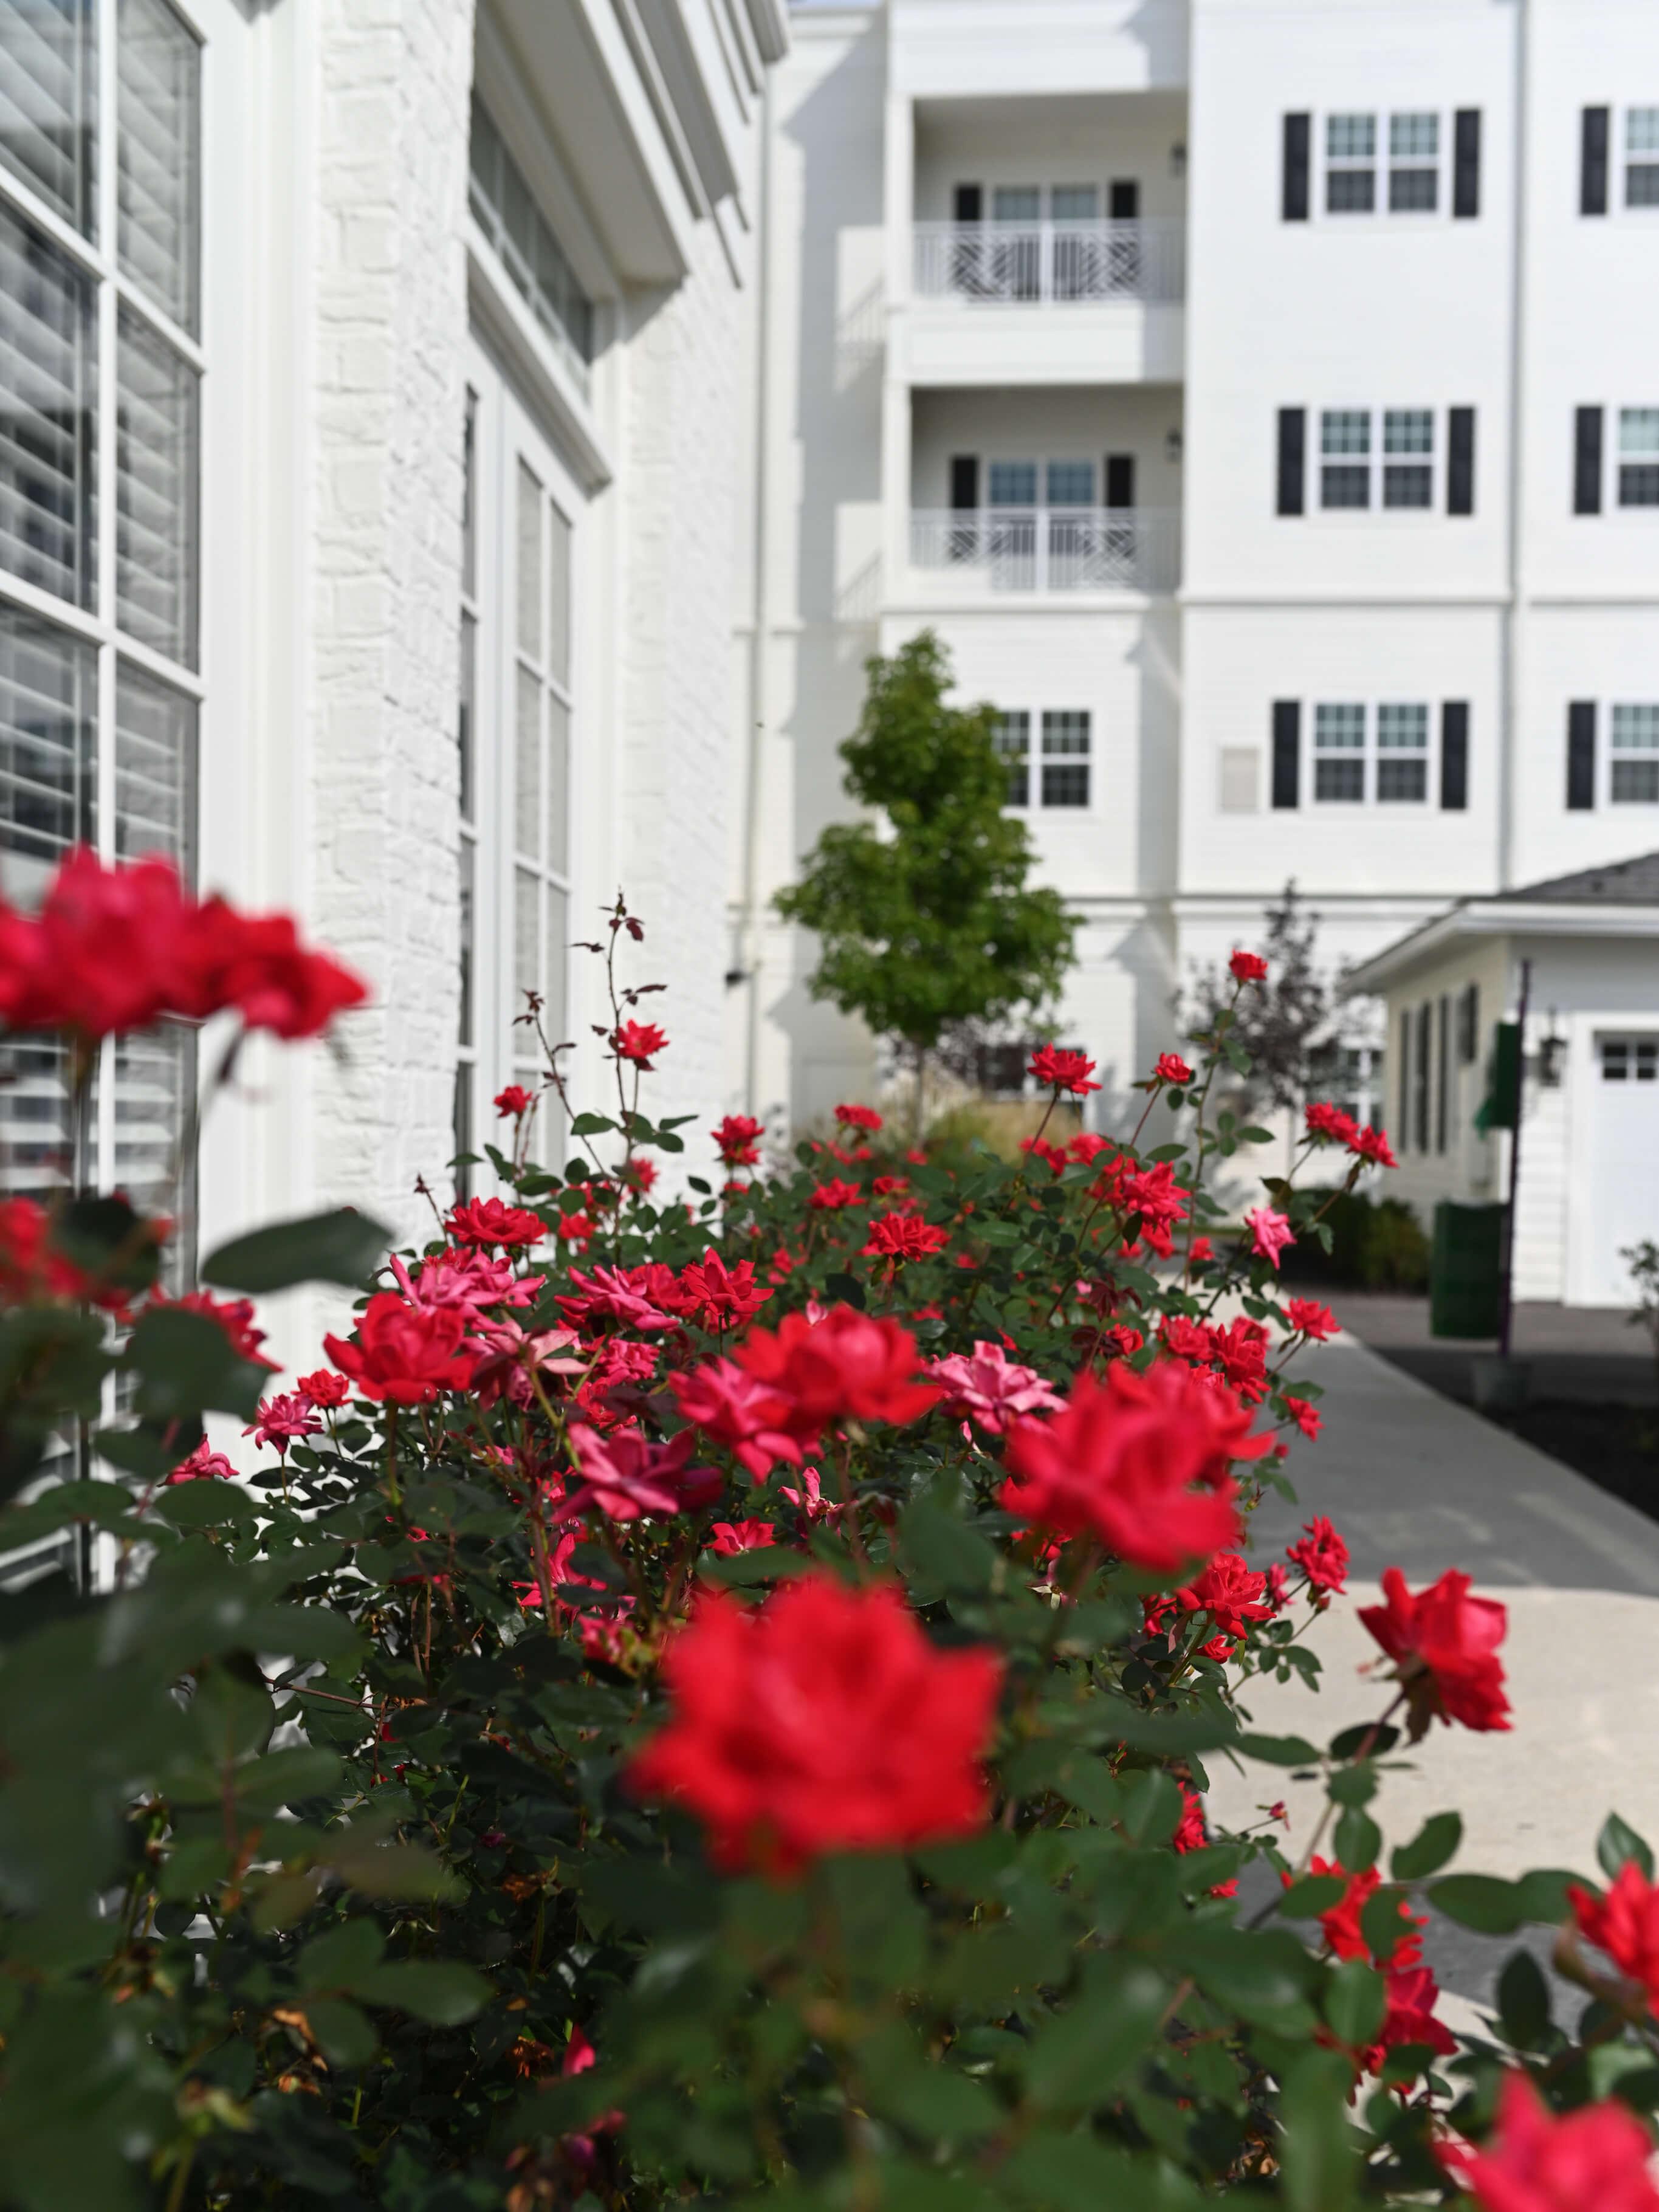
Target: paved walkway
pixel 1414 1481
pixel 1576 1352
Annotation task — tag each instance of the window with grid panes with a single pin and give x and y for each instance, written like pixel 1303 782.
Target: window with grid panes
pixel 468 1117
pixel 1066 743
pixel 541 746
pixel 1630 1060
pixel 1635 749
pixel 1413 164
pixel 1407 457
pixel 1345 450
pixel 1638 457
pixel 100 368
pixel 534 260
pixel 1642 157
pixel 1402 753
pixel 1340 754
pixel 1350 164
pixel 1011 734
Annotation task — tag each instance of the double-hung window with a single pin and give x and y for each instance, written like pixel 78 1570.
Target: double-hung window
pixel 1377 457
pixel 1066 740
pixel 1350 164
pixel 1413 164
pixel 1635 777
pixel 1376 161
pixel 1364 752
pixel 1642 157
pixel 1638 457
pixel 100 368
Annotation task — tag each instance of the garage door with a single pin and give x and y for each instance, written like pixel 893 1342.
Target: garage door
pixel 1624 1165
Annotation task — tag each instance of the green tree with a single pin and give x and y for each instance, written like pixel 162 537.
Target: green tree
pixel 925 917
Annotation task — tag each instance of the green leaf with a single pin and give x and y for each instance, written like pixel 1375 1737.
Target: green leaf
pixel 185 1364
pixel 345 2036
pixel 1359 1839
pixel 1319 2156
pixel 340 1957
pixel 591 1124
pixel 1480 1901
pixel 846 1290
pixel 1356 1999
pixel 1280 1750
pixel 1080 2054
pixel 106 1239
pixel 1523 2000
pixel 343 1246
pixel 1618 1843
pixel 1314 1894
pixel 945 1550
pixel 1372 1739
pixel 440 1992
pixel 1433 1847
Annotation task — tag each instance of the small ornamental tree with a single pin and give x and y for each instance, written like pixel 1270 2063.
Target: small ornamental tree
pixel 927 922
pixel 710 1702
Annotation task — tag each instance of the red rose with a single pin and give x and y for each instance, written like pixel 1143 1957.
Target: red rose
pixel 257 964
pixel 1230 1593
pixel 858 1117
pixel 204 1464
pixel 1371 1144
pixel 1444 1644
pixel 735 1410
pixel 487 1221
pixel 1309 1318
pixel 721 1297
pixel 735 1139
pixel 897 1237
pixel 639 1042
pixel 1322 1555
pixel 1063 1070
pixel 1172 1068
pixel 1328 1123
pixel 830 1197
pixel 1241 1350
pixel 1624 1924
pixel 404 1354
pixel 1248 967
pixel 1342 1923
pixel 513 1101
pixel 324 1388
pixel 848 1367
pixel 628 1477
pixel 732 1537
pixel 1534 2162
pixel 1306 1417
pixel 106 954
pixel 1141 1461
pixel 822 1721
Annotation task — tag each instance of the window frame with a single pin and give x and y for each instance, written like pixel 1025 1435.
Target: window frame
pixel 1377 462
pixel 1628 756
pixel 1370 755
pixel 1038 762
pixel 1382 163
pixel 1621 153
pixel 1614 464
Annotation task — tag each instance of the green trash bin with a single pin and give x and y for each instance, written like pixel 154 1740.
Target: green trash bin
pixel 1464 1270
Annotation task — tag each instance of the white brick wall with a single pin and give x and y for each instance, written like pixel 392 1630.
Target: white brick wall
pixel 680 482
pixel 392 83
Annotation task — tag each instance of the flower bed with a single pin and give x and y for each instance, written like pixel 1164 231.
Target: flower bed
pixel 709 1692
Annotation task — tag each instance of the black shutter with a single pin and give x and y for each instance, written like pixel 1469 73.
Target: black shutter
pixel 1593 163
pixel 1587 460
pixel 1404 1137
pixel 1299 141
pixel 1287 752
pixel 964 481
pixel 1442 1073
pixel 1422 1058
pixel 1466 163
pixel 1292 447
pixel 1459 461
pixel 1123 200
pixel 1581 756
pixel 1455 755
pixel 970 204
pixel 1120 480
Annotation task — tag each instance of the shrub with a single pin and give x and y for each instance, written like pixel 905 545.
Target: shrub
pixel 1376 1244
pixel 710 1699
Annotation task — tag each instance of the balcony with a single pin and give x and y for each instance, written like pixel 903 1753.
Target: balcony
pixel 1055 264
pixel 989 551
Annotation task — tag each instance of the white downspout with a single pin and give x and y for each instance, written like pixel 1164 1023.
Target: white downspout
pixel 1514 642
pixel 760 616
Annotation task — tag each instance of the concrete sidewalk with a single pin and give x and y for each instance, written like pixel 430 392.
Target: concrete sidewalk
pixel 1412 1480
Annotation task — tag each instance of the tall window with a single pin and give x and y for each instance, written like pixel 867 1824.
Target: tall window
pixel 1638 457
pixel 100 368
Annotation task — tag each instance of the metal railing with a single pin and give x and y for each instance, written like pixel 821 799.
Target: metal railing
pixel 1051 263
pixel 1049 548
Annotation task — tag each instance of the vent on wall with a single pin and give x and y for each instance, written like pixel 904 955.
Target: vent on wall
pixel 1241 779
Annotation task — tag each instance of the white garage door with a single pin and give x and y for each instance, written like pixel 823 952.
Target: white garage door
pixel 1625 1163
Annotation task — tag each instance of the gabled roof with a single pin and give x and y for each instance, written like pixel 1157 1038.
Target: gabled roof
pixel 1621 882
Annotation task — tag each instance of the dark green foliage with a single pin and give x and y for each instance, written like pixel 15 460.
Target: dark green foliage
pixel 1376 1244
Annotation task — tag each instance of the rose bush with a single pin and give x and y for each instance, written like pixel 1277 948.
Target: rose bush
pixel 710 1695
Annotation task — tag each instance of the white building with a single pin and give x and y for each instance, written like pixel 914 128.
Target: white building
pixel 368 524
pixel 1260 399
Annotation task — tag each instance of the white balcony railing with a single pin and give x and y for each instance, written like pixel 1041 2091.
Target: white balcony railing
pixel 1049 548
pixel 1051 263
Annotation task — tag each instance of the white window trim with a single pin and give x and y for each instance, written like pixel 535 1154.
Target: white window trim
pixel 1444 164
pixel 1377 461
pixel 1369 756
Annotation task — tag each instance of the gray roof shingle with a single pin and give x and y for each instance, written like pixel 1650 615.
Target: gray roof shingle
pixel 1621 882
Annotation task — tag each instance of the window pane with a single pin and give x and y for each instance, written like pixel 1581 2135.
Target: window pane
pixel 558 790
pixel 1344 430
pixel 504 209
pixel 1350 192
pixel 1642 130
pixel 530 564
pixel 1339 729
pixel 1413 138
pixel 1407 485
pixel 1074 202
pixel 1398 779
pixel 1638 433
pixel 468 862
pixel 1636 783
pixel 527 766
pixel 1636 729
pixel 1340 780
pixel 1638 484
pixel 156 493
pixel 1351 137
pixel 1615 1060
pixel 558 599
pixel 1403 729
pixel 48 700
pixel 1065 732
pixel 155 771
pixel 1642 184
pixel 158 155
pixel 47 413
pixel 558 931
pixel 1012 736
pixel 526 939
pixel 1345 487
pixel 1013 484
pixel 470 499
pixel 1017 203
pixel 1065 781
pixel 465 711
pixel 1065 786
pixel 154 1075
pixel 1413 192
pixel 1408 430
pixel 48 93
pixel 1070 483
